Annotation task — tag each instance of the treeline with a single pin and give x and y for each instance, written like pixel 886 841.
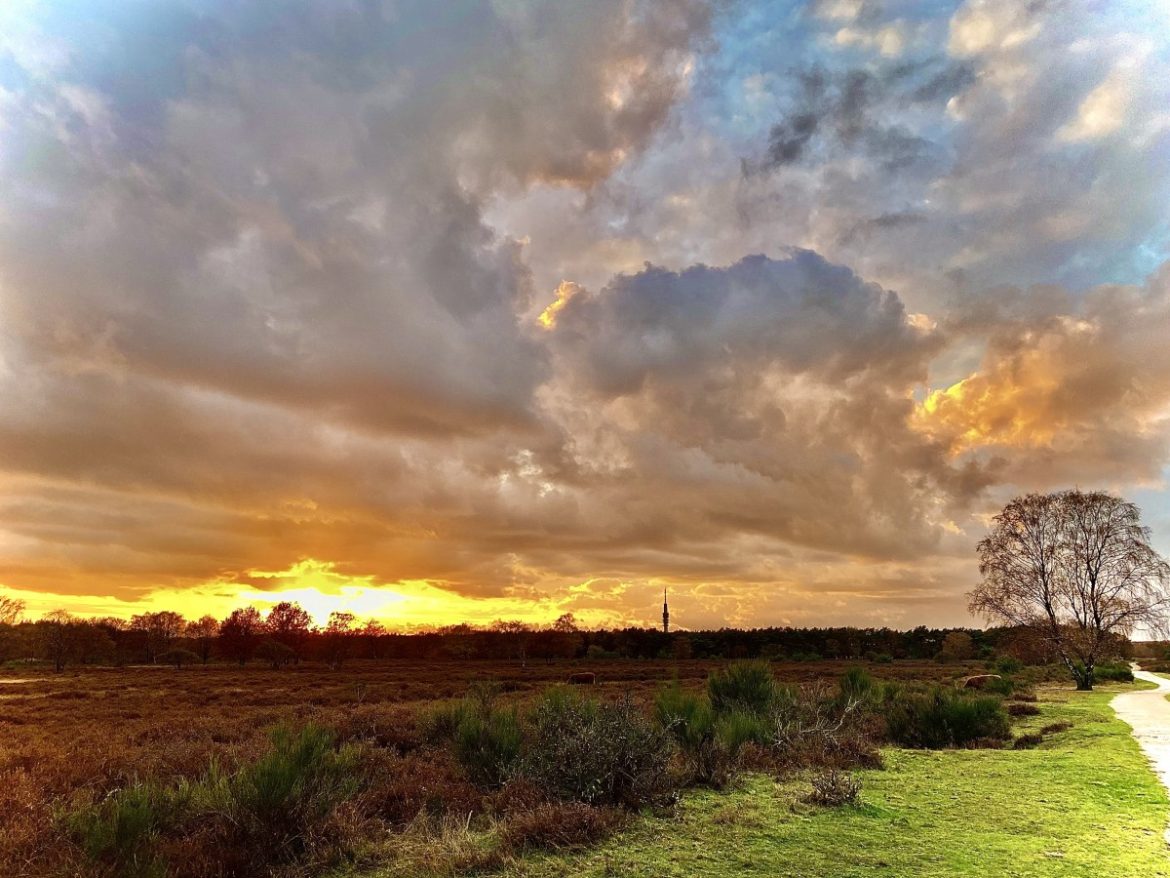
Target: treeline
pixel 286 635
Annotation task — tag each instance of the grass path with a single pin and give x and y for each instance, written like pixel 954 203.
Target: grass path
pixel 1084 803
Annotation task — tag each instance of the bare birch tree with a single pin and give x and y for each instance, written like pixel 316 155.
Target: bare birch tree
pixel 1076 566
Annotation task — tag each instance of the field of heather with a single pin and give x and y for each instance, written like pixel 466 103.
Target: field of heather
pixel 451 768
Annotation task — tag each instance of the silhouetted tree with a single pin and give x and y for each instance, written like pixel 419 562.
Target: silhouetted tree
pixel 338 636
pixel 239 634
pixel 159 631
pixel 57 633
pixel 289 624
pixel 1077 566
pixel 957 646
pixel 202 633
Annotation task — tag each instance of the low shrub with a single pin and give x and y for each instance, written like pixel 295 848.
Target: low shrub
pixel 560 826
pixel 691 722
pixel 1113 672
pixel 1008 665
pixel 1056 728
pixel 264 814
pixel 833 788
pixel 119 833
pixel 1023 710
pixel 487 743
pixel 742 687
pixel 578 749
pixel 1027 742
pixel 437 724
pixel 857 685
pixel 1004 686
pixel 941 717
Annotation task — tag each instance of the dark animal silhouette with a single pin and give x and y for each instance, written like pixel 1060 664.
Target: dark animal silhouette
pixel 584 678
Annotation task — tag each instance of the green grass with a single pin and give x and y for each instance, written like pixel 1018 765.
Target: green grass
pixel 1084 803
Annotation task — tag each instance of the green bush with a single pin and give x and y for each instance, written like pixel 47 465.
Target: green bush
pixel 437 724
pixel 300 780
pixel 738 728
pixel 689 719
pixel 939 718
pixel 742 687
pixel 1007 665
pixel 578 749
pixel 857 685
pixel 1113 672
pixel 266 811
pixel 1004 686
pixel 487 744
pixel 120 831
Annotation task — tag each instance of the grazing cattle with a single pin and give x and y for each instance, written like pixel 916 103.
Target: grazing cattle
pixel 585 678
pixel 980 681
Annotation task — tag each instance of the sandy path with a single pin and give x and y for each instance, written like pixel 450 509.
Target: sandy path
pixel 1148 712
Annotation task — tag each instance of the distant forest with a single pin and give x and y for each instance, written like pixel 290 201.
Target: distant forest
pixel 286 635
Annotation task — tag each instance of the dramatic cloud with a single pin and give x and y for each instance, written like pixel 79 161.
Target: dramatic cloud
pixel 513 308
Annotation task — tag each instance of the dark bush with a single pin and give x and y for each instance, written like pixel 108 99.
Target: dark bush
pixel 1004 686
pixel 1008 665
pixel 560 826
pixel 1027 742
pixel 742 687
pixel 1056 728
pixel 578 749
pixel 487 743
pixel 833 788
pixel 1023 710
pixel 1113 672
pixel 940 717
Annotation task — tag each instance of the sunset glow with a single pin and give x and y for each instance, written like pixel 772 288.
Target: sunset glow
pixel 341 304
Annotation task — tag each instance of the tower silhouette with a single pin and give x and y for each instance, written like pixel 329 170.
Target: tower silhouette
pixel 665 613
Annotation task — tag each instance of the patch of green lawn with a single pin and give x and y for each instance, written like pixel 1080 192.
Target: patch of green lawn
pixel 1084 803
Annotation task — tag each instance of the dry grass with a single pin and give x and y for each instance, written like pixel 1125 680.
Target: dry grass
pixel 72 739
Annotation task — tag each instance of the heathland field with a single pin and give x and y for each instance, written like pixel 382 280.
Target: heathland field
pixel 660 768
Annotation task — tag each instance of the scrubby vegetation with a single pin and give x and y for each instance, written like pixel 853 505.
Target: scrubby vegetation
pixel 223 772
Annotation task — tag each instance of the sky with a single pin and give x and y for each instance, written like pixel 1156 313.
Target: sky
pixel 500 310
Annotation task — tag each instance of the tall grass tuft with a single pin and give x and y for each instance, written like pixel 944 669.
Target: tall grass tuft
pixel 742 687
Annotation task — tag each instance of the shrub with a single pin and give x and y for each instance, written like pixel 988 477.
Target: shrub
pixel 942 717
pixel 1004 686
pixel 856 685
pixel 179 657
pixel 276 799
pixel 560 826
pixel 742 687
pixel 263 814
pixel 120 831
pixel 437 724
pixel 1023 710
pixel 883 658
pixel 738 728
pixel 600 754
pixel 833 789
pixel 1056 728
pixel 1113 672
pixel 1007 665
pixel 1027 742
pixel 690 720
pixel 487 744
